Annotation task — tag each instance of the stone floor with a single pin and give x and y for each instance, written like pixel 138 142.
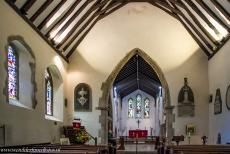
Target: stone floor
pixel 141 149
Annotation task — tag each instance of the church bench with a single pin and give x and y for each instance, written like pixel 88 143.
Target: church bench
pixel 57 148
pixel 199 149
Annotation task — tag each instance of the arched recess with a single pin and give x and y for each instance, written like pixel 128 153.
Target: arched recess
pixel 58 93
pixel 107 85
pixel 27 87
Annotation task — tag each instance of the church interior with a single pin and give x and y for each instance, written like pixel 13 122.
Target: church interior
pixel 115 76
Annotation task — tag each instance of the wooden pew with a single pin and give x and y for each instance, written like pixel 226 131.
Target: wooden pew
pixel 57 148
pixel 199 149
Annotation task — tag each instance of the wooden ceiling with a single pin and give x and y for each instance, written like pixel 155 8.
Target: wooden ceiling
pixel 137 74
pixel 63 24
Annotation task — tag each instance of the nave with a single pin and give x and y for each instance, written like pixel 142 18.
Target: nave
pixel 94 76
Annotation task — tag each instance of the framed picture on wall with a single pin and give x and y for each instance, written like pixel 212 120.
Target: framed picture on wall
pixel 82 98
pixel 218 102
pixel 190 129
pixel 228 97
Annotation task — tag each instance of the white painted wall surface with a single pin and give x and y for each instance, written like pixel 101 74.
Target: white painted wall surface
pixel 165 41
pixel 24 126
pixel 219 77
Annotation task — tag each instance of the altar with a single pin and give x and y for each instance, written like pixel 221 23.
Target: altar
pixel 138 133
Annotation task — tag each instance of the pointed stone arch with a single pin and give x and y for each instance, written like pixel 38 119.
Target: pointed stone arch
pixel 107 85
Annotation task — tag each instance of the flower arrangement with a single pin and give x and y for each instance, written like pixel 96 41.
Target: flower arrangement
pixel 81 136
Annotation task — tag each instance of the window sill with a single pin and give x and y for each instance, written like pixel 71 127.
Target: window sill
pixel 18 104
pixel 48 117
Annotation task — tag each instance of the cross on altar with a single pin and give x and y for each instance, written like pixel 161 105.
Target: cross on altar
pixel 138 122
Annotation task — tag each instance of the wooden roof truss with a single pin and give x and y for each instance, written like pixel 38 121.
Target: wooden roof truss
pixel 63 24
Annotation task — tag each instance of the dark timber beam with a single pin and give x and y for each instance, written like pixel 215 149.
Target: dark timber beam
pixel 212 14
pixel 73 17
pixel 162 8
pixel 59 22
pixel 83 27
pixel 28 4
pixel 221 9
pixel 40 10
pixel 35 29
pixel 196 31
pixel 115 7
pixel 51 14
pixel 81 38
pixel 102 15
pixel 203 17
pixel 88 12
pixel 199 24
pixel 165 4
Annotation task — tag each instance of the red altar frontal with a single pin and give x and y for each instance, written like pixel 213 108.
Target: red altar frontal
pixel 138 133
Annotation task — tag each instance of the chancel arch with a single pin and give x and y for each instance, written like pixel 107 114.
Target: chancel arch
pixel 54 93
pixel 107 87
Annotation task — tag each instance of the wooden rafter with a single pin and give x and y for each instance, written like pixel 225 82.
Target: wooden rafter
pixel 212 14
pixel 35 28
pixel 113 6
pixel 73 17
pixel 101 14
pixel 196 31
pixel 162 8
pixel 51 14
pixel 40 10
pixel 192 14
pixel 59 22
pixel 221 9
pixel 83 27
pixel 28 4
pixel 81 38
pixel 204 18
pixel 199 24
pixel 88 12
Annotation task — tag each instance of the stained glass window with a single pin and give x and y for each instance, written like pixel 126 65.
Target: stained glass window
pixel 49 93
pixel 130 108
pixel 138 106
pixel 146 108
pixel 12 73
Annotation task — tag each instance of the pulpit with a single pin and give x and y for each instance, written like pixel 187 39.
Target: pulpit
pixel 138 133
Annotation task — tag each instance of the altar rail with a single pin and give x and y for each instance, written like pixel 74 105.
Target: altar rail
pixel 56 149
pixel 148 139
pixel 197 149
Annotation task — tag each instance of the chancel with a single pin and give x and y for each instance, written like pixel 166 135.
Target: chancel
pixel 115 76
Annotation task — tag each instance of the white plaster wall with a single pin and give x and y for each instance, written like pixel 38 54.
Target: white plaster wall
pixel 79 71
pixel 219 77
pixel 196 70
pixel 25 126
pixel 164 39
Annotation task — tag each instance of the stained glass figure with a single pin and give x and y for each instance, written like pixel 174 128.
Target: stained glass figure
pixel 146 108
pixel 12 74
pixel 138 106
pixel 130 108
pixel 49 94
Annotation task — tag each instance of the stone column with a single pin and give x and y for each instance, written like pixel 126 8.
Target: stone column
pixel 170 118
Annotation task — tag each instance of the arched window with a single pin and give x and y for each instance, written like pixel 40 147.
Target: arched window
pixel 146 108
pixel 130 108
pixel 49 93
pixel 12 62
pixel 138 106
pixel 139 110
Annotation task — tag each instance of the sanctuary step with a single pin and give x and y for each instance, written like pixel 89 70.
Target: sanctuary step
pixel 141 149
